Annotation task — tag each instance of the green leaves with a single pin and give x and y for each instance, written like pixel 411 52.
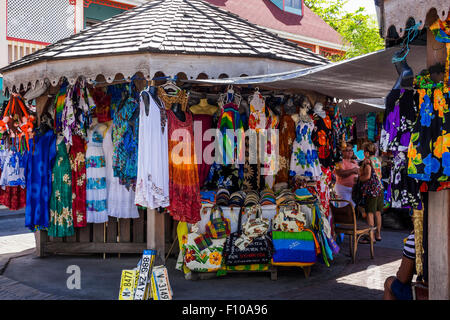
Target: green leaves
pixel 358 29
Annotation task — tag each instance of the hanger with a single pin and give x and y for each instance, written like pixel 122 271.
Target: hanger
pixel 170 85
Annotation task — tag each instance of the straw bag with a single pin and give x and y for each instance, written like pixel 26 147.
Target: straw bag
pixel 250 244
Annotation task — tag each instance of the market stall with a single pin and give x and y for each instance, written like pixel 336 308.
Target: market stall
pixel 93 75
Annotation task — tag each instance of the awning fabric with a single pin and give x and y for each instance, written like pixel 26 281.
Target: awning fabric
pixel 368 76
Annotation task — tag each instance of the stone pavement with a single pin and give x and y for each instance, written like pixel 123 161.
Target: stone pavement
pixel 25 276
pixel 46 278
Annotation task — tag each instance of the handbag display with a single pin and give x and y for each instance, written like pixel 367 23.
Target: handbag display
pixel 201 252
pixel 292 242
pixel 250 244
pixel 299 247
pixel 289 219
pixel 218 226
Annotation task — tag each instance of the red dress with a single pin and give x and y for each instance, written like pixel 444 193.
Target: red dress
pixel 14 198
pixel 184 189
pixel 77 157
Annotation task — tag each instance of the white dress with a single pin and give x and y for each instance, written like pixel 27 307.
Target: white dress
pixel 120 201
pixel 96 192
pixel 152 187
pixel 305 159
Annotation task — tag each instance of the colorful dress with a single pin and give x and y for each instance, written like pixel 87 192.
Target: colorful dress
pixel 120 201
pixel 39 180
pixel 13 170
pixel 61 219
pixel 96 192
pixel 428 152
pixel 77 155
pixel 403 191
pixel 321 137
pixel 304 159
pixel 400 115
pixel 152 188
pixel 125 140
pixel 287 137
pixel 184 190
pixel 203 167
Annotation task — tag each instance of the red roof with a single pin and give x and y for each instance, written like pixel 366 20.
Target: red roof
pixel 264 13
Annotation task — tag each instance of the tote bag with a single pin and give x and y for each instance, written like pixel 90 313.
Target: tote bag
pixel 257 251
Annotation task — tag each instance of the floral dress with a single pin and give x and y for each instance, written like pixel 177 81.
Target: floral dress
pixel 61 220
pixel 287 137
pixel 428 152
pixel 305 159
pixel 96 192
pixel 322 135
pixel 125 137
pixel 77 156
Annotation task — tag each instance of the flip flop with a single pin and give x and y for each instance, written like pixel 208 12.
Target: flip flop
pixel 364 240
pixel 378 240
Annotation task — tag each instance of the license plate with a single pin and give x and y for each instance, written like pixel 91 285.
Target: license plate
pixel 147 260
pixel 161 289
pixel 127 284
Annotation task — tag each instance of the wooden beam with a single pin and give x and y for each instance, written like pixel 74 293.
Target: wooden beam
pixel 93 247
pixel 155 234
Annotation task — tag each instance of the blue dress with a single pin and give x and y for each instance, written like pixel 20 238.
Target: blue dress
pixel 39 180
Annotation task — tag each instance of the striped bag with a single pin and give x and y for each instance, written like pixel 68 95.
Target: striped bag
pixel 295 247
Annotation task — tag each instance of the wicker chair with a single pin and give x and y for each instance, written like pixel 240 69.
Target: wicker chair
pixel 345 222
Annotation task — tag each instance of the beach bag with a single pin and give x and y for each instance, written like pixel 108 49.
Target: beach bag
pixel 201 253
pixel 372 188
pixel 289 219
pixel 299 247
pixel 250 244
pixel 218 226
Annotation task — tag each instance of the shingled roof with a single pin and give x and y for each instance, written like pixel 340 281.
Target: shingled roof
pixel 174 26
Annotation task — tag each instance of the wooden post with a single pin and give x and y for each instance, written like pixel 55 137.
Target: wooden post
pixel 155 234
pixel 41 238
pixel 439 245
pixel 438 204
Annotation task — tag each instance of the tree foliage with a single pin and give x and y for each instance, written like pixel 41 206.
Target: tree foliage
pixel 358 29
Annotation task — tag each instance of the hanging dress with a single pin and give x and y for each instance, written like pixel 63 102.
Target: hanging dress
pixel 428 152
pixel 96 192
pixel 77 155
pixel 39 180
pixel 287 137
pixel 304 159
pixel 203 167
pixel 257 122
pixel 152 187
pixel 125 139
pixel 61 219
pixel 184 190
pixel 322 135
pixel 120 201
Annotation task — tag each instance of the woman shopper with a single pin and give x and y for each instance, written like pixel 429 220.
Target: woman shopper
pixel 372 189
pixel 347 172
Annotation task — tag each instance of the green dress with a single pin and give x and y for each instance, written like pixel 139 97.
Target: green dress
pixel 61 220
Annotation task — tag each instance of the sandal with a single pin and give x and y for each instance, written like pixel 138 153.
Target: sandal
pixel 364 240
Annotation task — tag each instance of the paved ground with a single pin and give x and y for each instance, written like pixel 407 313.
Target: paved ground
pixel 24 276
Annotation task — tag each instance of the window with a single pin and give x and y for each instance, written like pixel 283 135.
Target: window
pixel 293 6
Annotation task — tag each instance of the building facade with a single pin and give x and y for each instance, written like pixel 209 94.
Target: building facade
pixel 290 19
pixel 26 29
